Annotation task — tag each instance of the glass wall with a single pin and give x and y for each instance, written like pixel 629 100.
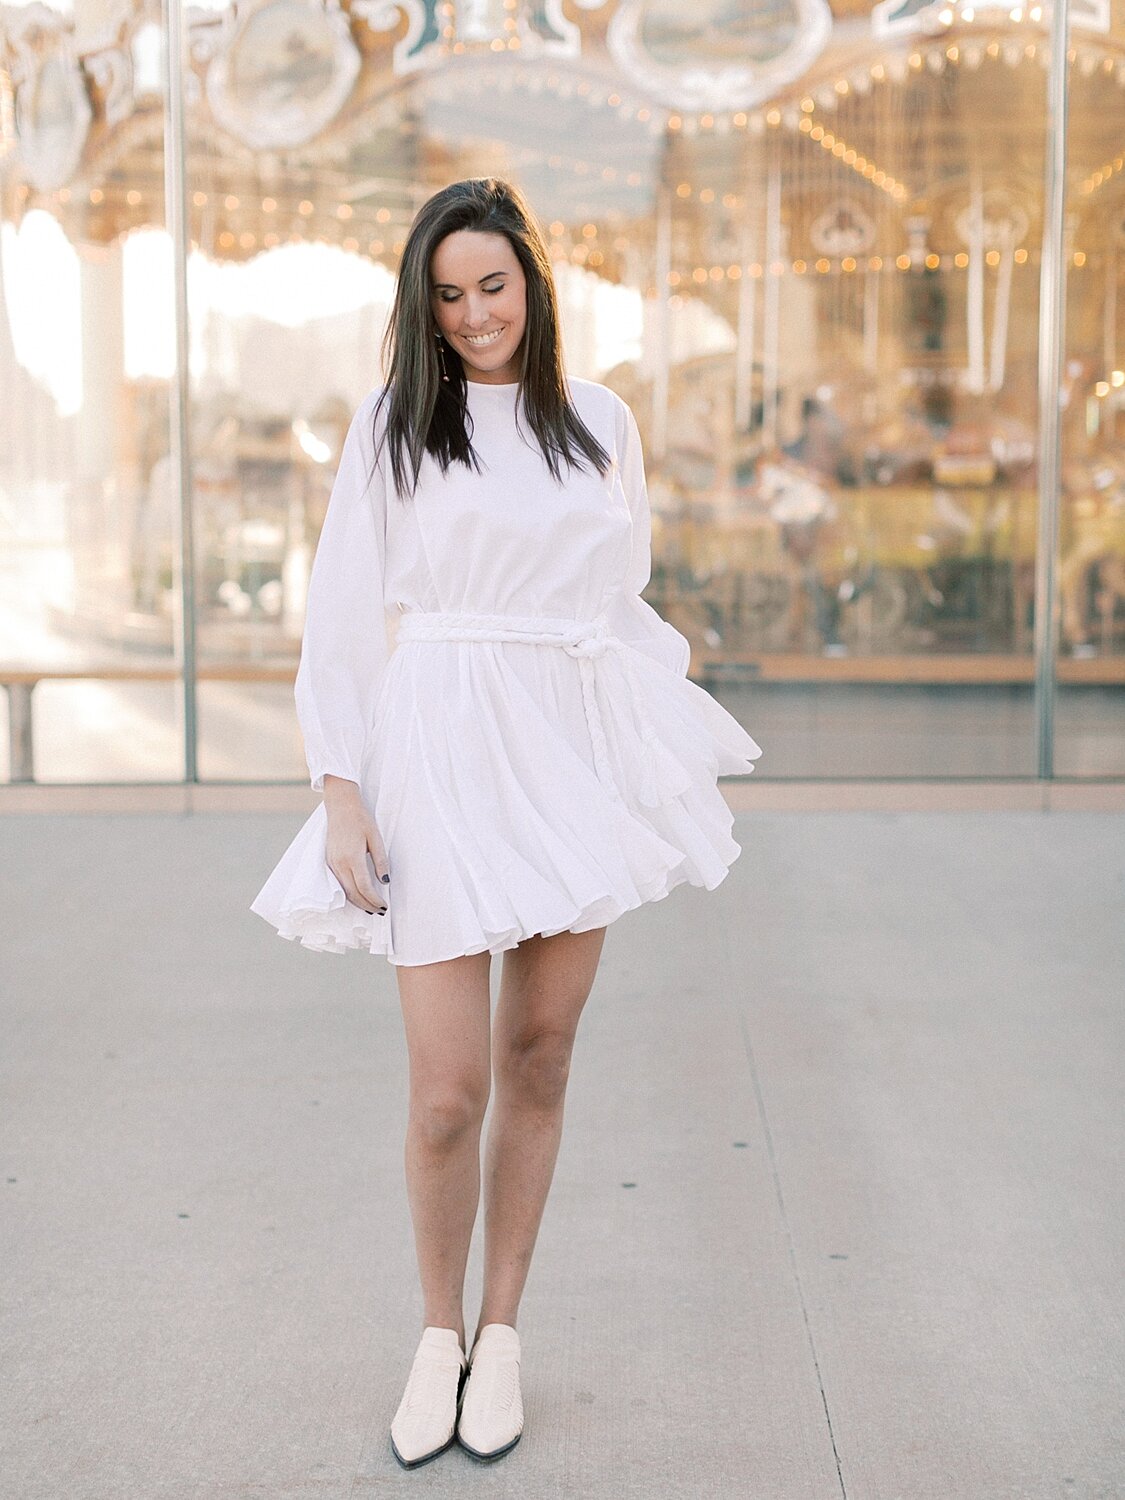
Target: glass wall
pixel 87 502
pixel 802 241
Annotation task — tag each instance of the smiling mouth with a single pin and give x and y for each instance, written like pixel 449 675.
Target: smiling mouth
pixel 480 341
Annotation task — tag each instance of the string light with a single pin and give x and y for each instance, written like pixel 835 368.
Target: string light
pixel 825 265
pixel 808 125
pixel 586 254
pixel 590 255
pixel 1102 175
pixel 968 54
pixel 800 116
pixel 702 275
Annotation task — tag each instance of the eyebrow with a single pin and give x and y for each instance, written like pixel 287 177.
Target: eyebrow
pixel 452 286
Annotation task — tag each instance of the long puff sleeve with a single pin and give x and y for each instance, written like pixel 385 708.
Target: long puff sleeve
pixel 632 619
pixel 344 645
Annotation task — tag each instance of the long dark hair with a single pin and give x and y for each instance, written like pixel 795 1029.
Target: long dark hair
pixel 429 414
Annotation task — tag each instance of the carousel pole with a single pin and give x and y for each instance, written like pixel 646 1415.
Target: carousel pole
pixel 744 351
pixel 1052 326
pixel 663 256
pixel 1000 312
pixel 975 303
pixel 1109 315
pixel 871 322
pixel 771 329
pixel 175 210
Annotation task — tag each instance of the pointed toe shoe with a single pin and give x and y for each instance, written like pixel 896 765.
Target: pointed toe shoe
pixel 490 1419
pixel 425 1423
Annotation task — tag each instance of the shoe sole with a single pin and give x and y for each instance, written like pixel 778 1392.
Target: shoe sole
pixel 416 1463
pixel 487 1458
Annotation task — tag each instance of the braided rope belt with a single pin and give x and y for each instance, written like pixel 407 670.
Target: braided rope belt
pixel 586 640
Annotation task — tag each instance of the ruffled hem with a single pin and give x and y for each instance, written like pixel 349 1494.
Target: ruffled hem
pixel 497 827
pixel 335 925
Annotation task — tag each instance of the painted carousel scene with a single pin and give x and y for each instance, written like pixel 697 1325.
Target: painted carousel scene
pixel 837 1213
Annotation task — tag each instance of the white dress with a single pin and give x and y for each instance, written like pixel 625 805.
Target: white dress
pixel 479 659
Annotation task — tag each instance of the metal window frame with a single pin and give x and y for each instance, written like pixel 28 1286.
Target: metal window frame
pixel 1052 351
pixel 175 212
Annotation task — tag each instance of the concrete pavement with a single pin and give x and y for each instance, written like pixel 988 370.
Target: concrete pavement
pixel 838 1211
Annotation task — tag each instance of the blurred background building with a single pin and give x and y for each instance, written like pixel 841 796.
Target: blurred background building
pixel 807 242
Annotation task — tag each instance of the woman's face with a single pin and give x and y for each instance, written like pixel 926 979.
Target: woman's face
pixel 478 297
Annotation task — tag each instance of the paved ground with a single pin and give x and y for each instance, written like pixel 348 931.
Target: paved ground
pixel 838 1211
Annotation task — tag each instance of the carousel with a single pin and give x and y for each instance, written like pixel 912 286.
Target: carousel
pixel 823 225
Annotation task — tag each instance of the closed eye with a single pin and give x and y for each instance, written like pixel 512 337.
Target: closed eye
pixel 491 290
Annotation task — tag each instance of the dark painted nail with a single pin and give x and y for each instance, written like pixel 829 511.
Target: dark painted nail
pixel 386 879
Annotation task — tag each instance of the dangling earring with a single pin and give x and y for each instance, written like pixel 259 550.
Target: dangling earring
pixel 441 351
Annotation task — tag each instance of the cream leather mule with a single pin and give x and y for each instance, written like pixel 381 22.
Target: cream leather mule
pixel 425 1422
pixel 490 1420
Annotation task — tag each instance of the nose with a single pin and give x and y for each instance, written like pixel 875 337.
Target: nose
pixel 476 313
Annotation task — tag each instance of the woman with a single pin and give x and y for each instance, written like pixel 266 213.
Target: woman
pixel 527 764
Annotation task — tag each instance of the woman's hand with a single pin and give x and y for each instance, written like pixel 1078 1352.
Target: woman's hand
pixel 352 834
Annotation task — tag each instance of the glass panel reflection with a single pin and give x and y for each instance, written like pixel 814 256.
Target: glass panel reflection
pixel 823 311
pixel 86 497
pixel 1089 723
pixel 807 254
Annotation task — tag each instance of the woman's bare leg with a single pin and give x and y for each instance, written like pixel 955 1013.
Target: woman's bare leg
pixel 544 985
pixel 445 1008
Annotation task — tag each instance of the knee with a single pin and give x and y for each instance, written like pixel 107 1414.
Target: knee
pixel 536 1068
pixel 441 1116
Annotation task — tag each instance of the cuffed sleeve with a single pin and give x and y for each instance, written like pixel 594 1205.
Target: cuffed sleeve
pixel 344 644
pixel 631 618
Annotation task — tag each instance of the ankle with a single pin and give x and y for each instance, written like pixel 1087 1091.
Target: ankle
pixel 498 1318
